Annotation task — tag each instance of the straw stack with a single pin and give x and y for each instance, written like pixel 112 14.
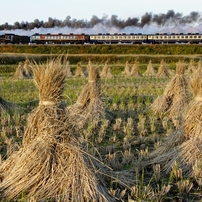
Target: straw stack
pixel 135 70
pixel 127 69
pixel 79 71
pixel 51 165
pixel 175 96
pixel 106 71
pixel 23 71
pixel 163 70
pixel 150 70
pixel 89 105
pixel 184 145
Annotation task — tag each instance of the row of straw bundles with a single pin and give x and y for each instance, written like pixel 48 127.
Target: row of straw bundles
pixel 175 96
pixel 51 164
pixel 183 146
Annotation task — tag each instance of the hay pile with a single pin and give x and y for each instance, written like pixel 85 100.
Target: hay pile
pixel 163 70
pixel 175 96
pixel 184 146
pixel 51 165
pixel 89 104
pixel 106 71
pixel 23 71
pixel 135 70
pixel 79 71
pixel 191 66
pixel 67 67
pixel 127 69
pixel 150 70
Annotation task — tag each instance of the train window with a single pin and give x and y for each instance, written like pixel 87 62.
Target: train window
pixel 190 36
pixel 173 37
pixel 195 37
pixel 165 37
pixel 199 36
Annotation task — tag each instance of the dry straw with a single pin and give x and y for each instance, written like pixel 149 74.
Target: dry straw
pixel 175 96
pixel 79 71
pixel 106 71
pixel 23 71
pixel 150 70
pixel 127 69
pixel 67 67
pixel 184 145
pixel 51 165
pixel 163 70
pixel 135 70
pixel 89 105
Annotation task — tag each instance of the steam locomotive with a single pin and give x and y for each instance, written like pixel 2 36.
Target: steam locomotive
pixel 100 38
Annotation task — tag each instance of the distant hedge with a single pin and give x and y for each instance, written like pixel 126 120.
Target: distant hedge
pixel 104 49
pixel 12 54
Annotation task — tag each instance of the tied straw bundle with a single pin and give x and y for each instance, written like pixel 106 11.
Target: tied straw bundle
pixel 106 71
pixel 89 105
pixel 51 164
pixel 175 96
pixel 184 146
pixel 150 70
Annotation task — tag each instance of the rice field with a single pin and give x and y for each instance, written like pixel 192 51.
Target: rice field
pixel 129 137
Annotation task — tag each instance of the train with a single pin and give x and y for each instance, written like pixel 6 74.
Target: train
pixel 103 38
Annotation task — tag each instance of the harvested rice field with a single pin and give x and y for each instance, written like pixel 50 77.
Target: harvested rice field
pixel 101 132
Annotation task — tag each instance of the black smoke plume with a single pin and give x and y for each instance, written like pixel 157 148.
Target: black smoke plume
pixel 161 20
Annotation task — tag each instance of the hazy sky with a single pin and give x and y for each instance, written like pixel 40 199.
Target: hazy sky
pixel 29 10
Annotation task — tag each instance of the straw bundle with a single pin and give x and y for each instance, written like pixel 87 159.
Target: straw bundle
pixel 51 165
pixel 184 145
pixel 23 71
pixel 27 69
pixel 191 66
pixel 106 71
pixel 67 67
pixel 135 70
pixel 175 96
pixel 127 69
pixel 89 104
pixel 79 72
pixel 150 70
pixel 163 70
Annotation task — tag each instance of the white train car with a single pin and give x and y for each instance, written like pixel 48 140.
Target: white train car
pixel 175 38
pixel 118 38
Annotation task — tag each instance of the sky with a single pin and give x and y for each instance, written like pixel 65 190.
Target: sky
pixel 28 10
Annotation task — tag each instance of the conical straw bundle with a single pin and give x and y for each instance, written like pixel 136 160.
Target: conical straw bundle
pixel 67 67
pixel 89 104
pixel 163 70
pixel 175 96
pixel 127 69
pixel 79 72
pixel 184 145
pixel 135 70
pixel 150 70
pixel 106 71
pixel 51 165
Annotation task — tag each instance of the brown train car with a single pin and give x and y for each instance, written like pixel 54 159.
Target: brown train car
pixel 59 38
